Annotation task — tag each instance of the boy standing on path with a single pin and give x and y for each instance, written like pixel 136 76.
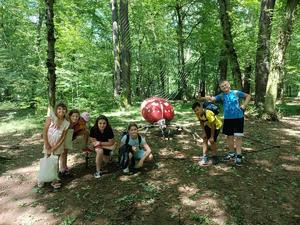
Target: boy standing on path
pixel 233 125
pixel 211 125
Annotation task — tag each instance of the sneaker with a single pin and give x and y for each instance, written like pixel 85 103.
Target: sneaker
pixel 204 161
pixel 126 170
pixel 229 155
pixel 238 160
pixel 214 160
pixel 41 184
pixel 98 174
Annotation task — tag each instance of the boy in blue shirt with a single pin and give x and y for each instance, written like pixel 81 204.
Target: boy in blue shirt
pixel 233 125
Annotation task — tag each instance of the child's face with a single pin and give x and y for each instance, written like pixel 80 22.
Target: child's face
pixel 133 131
pixel 61 112
pixel 74 117
pixel 225 86
pixel 102 125
pixel 199 110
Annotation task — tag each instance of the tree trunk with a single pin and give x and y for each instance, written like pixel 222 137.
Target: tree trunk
pixel 228 41
pixel 246 79
pixel 38 53
pixel 125 54
pixel 202 76
pixel 50 52
pixel 277 63
pixel 116 46
pixel 263 50
pixel 222 69
pixel 139 71
pixel 182 89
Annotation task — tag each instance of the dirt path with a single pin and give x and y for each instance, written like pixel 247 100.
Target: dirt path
pixel 172 190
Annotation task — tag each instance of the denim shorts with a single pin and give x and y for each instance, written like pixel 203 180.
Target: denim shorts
pixel 139 154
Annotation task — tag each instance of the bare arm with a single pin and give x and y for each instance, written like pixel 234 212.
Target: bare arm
pixel 247 100
pixel 61 140
pixel 207 98
pixel 45 133
pixel 147 152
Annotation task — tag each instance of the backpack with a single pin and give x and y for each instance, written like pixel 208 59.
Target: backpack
pixel 124 151
pixel 212 107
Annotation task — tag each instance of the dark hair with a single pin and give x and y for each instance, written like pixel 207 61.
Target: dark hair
pixel 132 125
pixel 102 117
pixel 222 81
pixel 61 104
pixel 196 104
pixel 74 111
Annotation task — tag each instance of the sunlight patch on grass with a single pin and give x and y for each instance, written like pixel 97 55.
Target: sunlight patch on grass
pixel 18 126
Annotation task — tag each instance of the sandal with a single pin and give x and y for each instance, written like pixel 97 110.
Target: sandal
pixel 56 185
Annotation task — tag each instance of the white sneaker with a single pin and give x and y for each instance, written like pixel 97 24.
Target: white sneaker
pixel 98 174
pixel 41 184
pixel 126 170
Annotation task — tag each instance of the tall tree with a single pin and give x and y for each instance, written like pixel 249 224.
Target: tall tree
pixel 50 52
pixel 182 89
pixel 116 46
pixel 228 41
pixel 263 50
pixel 125 53
pixel 278 55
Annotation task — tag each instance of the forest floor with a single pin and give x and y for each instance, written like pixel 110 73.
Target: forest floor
pixel 171 190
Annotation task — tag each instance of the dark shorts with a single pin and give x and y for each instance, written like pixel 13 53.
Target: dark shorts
pixel 106 152
pixel 233 127
pixel 208 133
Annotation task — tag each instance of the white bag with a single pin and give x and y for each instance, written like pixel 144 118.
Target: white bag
pixel 48 169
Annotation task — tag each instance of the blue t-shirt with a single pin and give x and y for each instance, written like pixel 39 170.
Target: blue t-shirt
pixel 134 142
pixel 231 104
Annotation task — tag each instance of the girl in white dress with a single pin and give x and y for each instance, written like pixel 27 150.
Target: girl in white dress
pixel 55 130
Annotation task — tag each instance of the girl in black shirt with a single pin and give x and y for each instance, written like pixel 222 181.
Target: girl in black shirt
pixel 102 137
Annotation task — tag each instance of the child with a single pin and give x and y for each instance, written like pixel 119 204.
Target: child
pixel 102 137
pixel 77 130
pixel 55 130
pixel 211 125
pixel 233 118
pixel 142 151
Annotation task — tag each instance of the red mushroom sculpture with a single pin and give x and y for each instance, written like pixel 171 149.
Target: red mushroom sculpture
pixel 155 109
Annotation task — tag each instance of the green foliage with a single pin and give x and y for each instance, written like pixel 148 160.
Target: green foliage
pixel 69 220
pixel 84 59
pixel 202 219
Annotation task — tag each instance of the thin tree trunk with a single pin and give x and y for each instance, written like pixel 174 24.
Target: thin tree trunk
pixel 116 46
pixel 202 75
pixel 246 79
pixel 222 69
pixel 228 41
pixel 277 63
pixel 38 51
pixel 50 52
pixel 182 89
pixel 263 50
pixel 125 53
pixel 139 68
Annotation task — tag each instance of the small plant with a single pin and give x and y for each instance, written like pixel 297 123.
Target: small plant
pixel 127 199
pixel 69 220
pixel 202 219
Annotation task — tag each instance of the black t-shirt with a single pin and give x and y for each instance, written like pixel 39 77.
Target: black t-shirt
pixel 104 137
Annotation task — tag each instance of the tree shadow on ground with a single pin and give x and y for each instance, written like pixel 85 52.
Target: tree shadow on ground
pixel 173 189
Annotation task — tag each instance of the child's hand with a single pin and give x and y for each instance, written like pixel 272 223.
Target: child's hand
pixel 48 147
pixel 211 140
pixel 134 148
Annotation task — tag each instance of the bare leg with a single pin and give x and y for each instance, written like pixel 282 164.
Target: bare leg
pixel 99 158
pixel 238 144
pixel 63 160
pixel 213 147
pixel 230 142
pixel 205 146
